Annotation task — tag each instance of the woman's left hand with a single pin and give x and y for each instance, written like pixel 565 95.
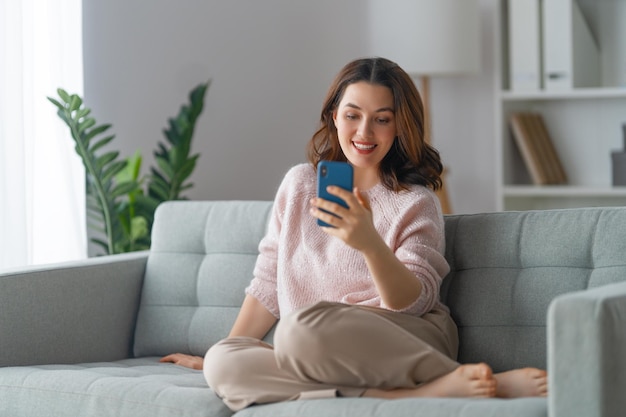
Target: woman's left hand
pixel 353 225
pixel 188 361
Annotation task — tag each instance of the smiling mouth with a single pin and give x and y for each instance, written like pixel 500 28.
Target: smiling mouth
pixel 363 147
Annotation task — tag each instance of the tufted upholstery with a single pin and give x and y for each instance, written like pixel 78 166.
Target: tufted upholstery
pixel 507 267
pixel 201 259
pixel 131 387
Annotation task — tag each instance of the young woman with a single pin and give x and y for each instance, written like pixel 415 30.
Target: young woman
pixel 358 302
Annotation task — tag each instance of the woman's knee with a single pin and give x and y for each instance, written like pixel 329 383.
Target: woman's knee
pixel 216 364
pixel 303 335
pixel 227 362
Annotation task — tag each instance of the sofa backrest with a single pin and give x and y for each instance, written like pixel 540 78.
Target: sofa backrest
pixel 507 267
pixel 200 261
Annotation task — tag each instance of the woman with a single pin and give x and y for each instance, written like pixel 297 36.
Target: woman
pixel 358 302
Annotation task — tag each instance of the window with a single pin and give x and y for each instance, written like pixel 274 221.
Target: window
pixel 42 181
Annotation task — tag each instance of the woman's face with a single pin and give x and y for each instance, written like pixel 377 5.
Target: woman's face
pixel 366 125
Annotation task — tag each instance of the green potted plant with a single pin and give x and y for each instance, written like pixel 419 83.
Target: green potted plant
pixel 121 203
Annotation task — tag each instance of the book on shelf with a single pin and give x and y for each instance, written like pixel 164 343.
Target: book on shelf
pixel 537 149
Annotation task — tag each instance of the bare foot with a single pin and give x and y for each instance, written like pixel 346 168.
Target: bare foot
pixel 465 381
pixel 524 382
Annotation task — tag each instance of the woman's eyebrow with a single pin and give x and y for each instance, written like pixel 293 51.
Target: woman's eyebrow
pixel 382 109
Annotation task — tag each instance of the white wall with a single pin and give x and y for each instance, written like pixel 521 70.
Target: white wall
pixel 463 127
pixel 270 63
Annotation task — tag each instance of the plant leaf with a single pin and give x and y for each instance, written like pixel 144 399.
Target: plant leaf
pixel 124 188
pixel 160 190
pixel 75 102
pixel 131 171
pixel 166 168
pixel 101 161
pixel 138 228
pixel 64 96
pixel 95 131
pixel 112 170
pixel 82 113
pixel 101 243
pixel 86 124
pixel 174 164
pixel 100 204
pixel 100 143
pixel 56 103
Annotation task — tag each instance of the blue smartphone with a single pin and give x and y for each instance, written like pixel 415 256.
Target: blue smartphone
pixel 335 173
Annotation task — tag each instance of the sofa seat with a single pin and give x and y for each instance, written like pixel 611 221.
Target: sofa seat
pixel 144 387
pixel 371 407
pixel 130 387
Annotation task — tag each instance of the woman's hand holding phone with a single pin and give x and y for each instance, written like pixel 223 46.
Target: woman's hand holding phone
pixel 352 224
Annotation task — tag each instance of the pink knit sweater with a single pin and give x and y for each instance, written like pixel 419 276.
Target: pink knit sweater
pixel 299 264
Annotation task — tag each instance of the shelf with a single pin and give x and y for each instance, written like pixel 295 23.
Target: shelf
pixel 581 93
pixel 585 124
pixel 562 191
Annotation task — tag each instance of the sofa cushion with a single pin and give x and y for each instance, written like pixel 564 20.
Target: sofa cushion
pixel 507 267
pixel 201 259
pixel 126 388
pixel 371 407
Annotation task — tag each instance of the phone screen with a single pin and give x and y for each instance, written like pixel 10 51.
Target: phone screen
pixel 335 173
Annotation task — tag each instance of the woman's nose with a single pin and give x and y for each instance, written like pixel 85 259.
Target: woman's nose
pixel 365 129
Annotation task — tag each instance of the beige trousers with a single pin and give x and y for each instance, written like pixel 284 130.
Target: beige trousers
pixel 333 349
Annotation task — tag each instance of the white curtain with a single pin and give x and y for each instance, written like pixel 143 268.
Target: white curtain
pixel 42 187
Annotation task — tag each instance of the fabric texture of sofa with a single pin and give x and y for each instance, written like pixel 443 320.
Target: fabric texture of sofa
pixel 539 288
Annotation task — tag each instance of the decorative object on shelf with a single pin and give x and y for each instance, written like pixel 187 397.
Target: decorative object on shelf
pixel 428 38
pixel 571 55
pixel 525 70
pixel 619 162
pixel 123 213
pixel 551 46
pixel 536 148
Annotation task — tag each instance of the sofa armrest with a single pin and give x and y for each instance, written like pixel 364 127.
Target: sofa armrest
pixel 586 360
pixel 82 311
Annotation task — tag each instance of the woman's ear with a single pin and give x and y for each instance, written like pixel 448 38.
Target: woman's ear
pixel 335 118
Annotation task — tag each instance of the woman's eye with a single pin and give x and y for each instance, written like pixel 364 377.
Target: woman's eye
pixel 383 121
pixel 351 116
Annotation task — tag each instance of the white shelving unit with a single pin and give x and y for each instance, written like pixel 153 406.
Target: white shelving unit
pixel 584 124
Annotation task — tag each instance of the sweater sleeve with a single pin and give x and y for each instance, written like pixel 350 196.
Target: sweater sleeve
pixel 263 286
pixel 420 246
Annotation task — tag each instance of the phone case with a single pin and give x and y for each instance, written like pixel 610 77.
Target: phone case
pixel 333 173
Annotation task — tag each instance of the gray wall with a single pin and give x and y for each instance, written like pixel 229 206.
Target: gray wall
pixel 270 63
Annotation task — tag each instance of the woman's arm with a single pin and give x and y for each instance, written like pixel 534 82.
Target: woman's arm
pixel 395 283
pixel 254 320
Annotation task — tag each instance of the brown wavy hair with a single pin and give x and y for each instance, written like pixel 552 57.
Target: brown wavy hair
pixel 410 160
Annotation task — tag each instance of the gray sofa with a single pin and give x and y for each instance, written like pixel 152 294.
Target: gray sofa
pixel 543 289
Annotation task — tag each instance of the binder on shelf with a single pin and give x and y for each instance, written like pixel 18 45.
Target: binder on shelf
pixel 525 51
pixel 571 56
pixel 537 150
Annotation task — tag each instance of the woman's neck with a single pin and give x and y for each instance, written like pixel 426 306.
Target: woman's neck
pixel 365 178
